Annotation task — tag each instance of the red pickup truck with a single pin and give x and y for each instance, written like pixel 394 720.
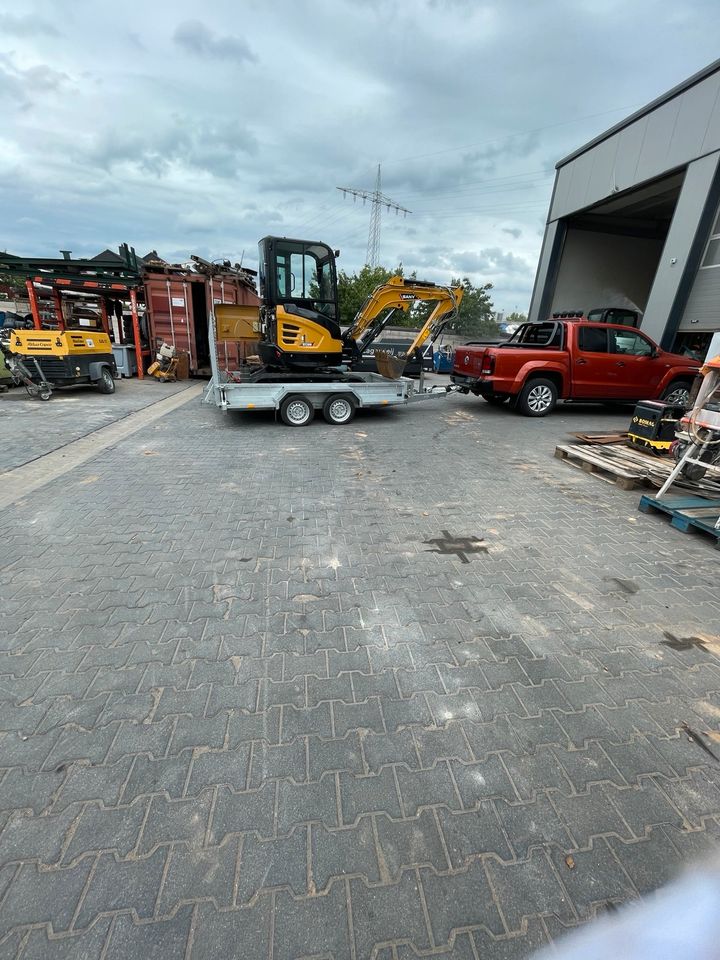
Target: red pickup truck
pixel 572 360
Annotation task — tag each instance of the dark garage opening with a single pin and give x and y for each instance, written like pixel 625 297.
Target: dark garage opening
pixel 611 251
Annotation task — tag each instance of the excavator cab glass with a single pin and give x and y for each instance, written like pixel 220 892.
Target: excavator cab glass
pixel 299 273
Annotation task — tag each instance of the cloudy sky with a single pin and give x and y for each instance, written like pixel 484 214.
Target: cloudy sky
pixel 199 128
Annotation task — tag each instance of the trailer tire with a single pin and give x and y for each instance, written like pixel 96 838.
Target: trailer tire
pixel 105 383
pixel 537 398
pixel 44 393
pixel 296 411
pixel 339 409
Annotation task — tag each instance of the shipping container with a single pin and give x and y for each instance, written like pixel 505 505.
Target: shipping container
pixel 177 304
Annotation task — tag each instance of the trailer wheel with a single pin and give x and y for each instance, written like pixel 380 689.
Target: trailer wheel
pixel 44 393
pixel 296 411
pixel 339 409
pixel 106 384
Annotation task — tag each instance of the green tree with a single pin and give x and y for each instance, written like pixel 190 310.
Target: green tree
pixel 516 317
pixel 475 317
pixel 354 289
pixel 15 286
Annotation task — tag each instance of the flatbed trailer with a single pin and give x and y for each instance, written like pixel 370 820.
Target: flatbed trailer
pixel 338 393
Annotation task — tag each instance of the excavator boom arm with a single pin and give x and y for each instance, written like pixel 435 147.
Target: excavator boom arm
pixel 399 294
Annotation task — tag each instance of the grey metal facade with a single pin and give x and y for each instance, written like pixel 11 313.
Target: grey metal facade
pixel 674 140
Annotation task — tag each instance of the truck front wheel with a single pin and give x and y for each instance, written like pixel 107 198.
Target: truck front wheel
pixel 677 393
pixel 537 398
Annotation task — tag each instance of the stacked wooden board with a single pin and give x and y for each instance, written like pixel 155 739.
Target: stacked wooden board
pixel 629 468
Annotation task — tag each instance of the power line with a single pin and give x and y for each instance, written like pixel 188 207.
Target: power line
pixel 509 136
pixel 378 200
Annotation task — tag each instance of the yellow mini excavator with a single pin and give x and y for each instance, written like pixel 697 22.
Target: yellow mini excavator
pixel 298 327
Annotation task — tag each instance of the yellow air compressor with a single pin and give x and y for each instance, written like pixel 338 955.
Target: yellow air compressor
pixel 61 358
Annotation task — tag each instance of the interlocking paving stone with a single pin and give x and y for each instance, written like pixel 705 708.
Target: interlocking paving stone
pixel 529 888
pixel 122 885
pixel 171 820
pixel 39 896
pixel 475 832
pixel 103 783
pixel 198 874
pixel 299 803
pixel 217 933
pixel 220 767
pixel 313 737
pixel 312 926
pixel 157 776
pixel 482 780
pixel 407 843
pixel 163 938
pixel 339 755
pixel 88 944
pixel 346 852
pixel 279 761
pixel 419 788
pixel 35 838
pixel 461 900
pixel 388 914
pixel 239 812
pixel 100 829
pixel 596 879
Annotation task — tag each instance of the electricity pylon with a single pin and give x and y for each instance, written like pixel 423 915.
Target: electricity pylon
pixel 378 200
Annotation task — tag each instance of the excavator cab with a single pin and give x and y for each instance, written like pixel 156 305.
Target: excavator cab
pixel 299 313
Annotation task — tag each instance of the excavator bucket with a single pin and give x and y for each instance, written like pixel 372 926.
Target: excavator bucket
pixel 389 365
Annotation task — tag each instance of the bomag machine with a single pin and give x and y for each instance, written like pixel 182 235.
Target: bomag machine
pixel 45 359
pixel 306 359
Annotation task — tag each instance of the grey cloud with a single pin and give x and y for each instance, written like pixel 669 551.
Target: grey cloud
pixel 214 148
pixel 26 26
pixel 18 86
pixel 512 231
pixel 492 260
pixel 194 37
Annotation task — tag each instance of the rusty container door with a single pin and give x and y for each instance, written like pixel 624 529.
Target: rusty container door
pixel 170 310
pixel 228 289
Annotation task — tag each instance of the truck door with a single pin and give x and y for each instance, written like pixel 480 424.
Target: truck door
pixel 594 373
pixel 638 372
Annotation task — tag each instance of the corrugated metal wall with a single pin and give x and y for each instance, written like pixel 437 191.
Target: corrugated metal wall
pixel 669 137
pixel 702 312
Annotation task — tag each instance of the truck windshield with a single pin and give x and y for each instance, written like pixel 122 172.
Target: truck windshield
pixel 546 334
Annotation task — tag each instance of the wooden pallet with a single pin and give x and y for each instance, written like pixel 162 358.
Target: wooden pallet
pixel 600 438
pixel 628 467
pixel 594 461
pixel 687 513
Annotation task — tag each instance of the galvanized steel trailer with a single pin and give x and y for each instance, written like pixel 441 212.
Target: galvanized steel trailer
pixel 297 400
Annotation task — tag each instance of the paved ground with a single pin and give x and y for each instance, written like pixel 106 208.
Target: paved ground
pixel 70 413
pixel 253 708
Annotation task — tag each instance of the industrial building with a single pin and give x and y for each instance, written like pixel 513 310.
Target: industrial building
pixel 634 220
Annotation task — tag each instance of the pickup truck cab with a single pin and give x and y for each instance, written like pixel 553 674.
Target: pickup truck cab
pixel 572 360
